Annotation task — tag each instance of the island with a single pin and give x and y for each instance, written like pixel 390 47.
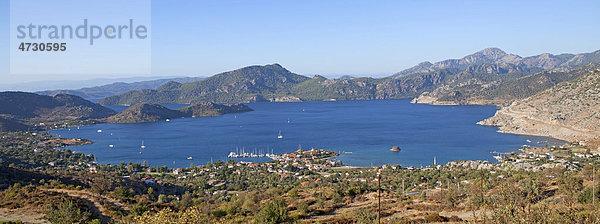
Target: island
pixel 143 112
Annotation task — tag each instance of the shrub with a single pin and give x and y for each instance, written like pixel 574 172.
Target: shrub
pixel 11 222
pixel 435 217
pixel 186 200
pixel 122 192
pixel 293 193
pixel 365 216
pixel 162 198
pixel 218 212
pixel 139 209
pixel 274 212
pixel 66 213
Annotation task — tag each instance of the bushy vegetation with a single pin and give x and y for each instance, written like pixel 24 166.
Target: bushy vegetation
pixel 230 192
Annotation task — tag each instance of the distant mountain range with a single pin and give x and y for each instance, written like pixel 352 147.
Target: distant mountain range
pixel 482 91
pixel 454 81
pixel 43 85
pixel 102 91
pixel 21 111
pixel 497 61
pixel 22 105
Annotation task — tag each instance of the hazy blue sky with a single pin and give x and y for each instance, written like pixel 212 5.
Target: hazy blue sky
pixel 376 38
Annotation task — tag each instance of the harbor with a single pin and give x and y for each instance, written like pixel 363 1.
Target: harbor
pixel 241 153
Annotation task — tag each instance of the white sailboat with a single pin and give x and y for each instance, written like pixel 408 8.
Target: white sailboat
pixel 143 146
pixel 279 136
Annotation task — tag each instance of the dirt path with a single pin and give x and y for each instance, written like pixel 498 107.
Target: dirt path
pixel 342 210
pixel 93 202
pixel 26 216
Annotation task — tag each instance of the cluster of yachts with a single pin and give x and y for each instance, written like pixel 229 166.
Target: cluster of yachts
pixel 237 154
pixel 255 154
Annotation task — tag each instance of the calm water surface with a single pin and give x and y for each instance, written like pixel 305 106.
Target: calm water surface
pixel 366 130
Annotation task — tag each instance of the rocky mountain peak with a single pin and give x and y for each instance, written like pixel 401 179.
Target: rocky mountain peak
pixel 492 52
pixel 488 55
pixel 425 64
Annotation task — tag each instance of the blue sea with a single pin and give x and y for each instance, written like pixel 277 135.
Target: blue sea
pixel 363 131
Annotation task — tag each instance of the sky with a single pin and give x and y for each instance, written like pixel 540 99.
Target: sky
pixel 333 38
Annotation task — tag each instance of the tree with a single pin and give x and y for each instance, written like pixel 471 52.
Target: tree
pixel 451 196
pixel 139 209
pixel 66 212
pixel 162 198
pixel 365 216
pixel 100 185
pixel 122 192
pixel 151 194
pixel 293 193
pixel 274 212
pixel 186 200
pixel 570 185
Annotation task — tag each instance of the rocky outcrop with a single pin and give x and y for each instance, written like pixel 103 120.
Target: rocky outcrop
pixel 143 112
pixel 568 111
pixel 213 109
pixel 286 99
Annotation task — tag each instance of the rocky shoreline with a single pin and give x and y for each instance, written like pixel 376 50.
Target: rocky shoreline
pixel 568 111
pixel 522 123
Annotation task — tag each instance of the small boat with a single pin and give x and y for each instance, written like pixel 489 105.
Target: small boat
pixel 288 120
pixel 140 152
pixel 395 149
pixel 167 120
pixel 279 136
pixel 99 130
pixel 189 158
pixel 143 146
pixel 111 146
pixel 528 140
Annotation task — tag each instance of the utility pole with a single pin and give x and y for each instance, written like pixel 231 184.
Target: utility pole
pixel 448 186
pixel 481 188
pixel 403 192
pixel 441 185
pixel 482 195
pixel 442 190
pixel 593 185
pixel 379 198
